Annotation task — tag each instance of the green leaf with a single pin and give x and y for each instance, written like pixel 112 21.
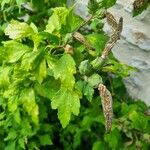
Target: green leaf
pixel 15 50
pixel 73 21
pixel 94 80
pixel 17 116
pixel 57 19
pixel 99 145
pixel 32 60
pixel 49 88
pixel 45 140
pixel 4 2
pixel 85 88
pixel 63 20
pixel 41 71
pixel 28 60
pixel 139 121
pixel 18 30
pixel 113 138
pixel 4 76
pixel 88 91
pixel 11 135
pixel 97 41
pixel 21 143
pixel 27 98
pixel 64 70
pixel 67 102
pixel 11 146
pixel 120 69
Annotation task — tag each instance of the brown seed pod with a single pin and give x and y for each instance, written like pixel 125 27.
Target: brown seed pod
pixel 107 50
pixel 78 36
pixel 120 25
pixel 106 100
pixel 111 20
pixel 116 34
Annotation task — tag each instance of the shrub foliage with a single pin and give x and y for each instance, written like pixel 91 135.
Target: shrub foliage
pixel 49 79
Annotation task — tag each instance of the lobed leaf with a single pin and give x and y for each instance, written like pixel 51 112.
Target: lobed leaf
pixel 67 102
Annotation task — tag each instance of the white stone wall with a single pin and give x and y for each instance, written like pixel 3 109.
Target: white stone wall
pixel 133 48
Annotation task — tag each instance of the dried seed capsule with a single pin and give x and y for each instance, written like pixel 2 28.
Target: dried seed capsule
pixel 106 100
pixel 111 20
pixel 78 36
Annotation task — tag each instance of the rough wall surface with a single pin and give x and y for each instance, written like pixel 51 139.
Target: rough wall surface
pixel 133 48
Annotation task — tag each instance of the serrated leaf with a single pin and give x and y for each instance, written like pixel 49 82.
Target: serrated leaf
pixel 64 70
pixel 27 98
pixel 15 50
pixel 45 140
pixel 57 19
pixel 18 30
pixel 67 102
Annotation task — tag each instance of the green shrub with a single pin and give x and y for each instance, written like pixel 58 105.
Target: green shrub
pixel 49 79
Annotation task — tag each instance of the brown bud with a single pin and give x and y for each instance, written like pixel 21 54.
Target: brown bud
pixel 68 49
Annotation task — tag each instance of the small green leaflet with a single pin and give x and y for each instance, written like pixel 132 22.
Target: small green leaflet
pixel 67 102
pixel 64 70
